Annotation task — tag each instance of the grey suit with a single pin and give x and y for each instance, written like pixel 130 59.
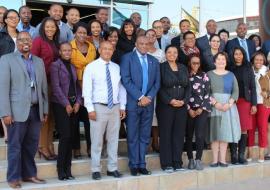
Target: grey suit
pixel 15 101
pixel 165 41
pixel 15 93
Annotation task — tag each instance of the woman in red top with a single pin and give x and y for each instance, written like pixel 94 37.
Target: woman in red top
pixel 45 46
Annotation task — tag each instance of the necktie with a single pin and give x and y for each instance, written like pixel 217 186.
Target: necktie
pixel 109 87
pixel 145 75
pixel 244 45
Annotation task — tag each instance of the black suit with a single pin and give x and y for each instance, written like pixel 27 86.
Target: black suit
pixel 172 120
pixel 231 44
pixel 176 41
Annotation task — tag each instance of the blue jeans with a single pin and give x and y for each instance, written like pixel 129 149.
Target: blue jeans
pixel 23 138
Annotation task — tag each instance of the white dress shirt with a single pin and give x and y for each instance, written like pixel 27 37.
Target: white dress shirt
pixel 95 85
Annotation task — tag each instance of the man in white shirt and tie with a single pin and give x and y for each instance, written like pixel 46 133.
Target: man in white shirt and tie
pixel 105 100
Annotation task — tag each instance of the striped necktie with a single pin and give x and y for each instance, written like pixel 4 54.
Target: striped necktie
pixel 109 87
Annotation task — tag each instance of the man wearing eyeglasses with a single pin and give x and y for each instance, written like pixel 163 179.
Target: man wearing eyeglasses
pixel 23 106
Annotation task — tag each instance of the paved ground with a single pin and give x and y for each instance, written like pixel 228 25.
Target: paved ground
pixel 254 184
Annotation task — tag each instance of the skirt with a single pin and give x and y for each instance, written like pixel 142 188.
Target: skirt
pixel 245 117
pixel 224 126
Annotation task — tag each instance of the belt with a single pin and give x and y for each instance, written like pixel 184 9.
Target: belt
pixel 103 104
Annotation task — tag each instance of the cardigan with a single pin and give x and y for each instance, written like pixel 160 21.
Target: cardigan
pixel 79 60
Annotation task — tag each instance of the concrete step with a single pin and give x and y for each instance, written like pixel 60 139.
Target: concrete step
pixel 47 169
pixel 182 180
pixel 122 148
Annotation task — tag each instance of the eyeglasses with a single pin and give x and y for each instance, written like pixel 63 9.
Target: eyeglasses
pixel 13 18
pixel 23 40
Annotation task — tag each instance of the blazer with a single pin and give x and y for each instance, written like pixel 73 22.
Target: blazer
pixel 203 44
pixel 79 60
pixel 132 79
pixel 249 84
pixel 174 86
pixel 15 93
pixel 7 43
pixel 165 41
pixel 125 45
pixel 61 81
pixel 44 50
pixel 231 44
pixel 207 61
pixel 176 41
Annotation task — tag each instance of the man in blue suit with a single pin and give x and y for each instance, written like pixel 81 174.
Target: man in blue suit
pixel 241 41
pixel 141 78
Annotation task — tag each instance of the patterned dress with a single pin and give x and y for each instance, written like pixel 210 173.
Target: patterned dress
pixel 224 126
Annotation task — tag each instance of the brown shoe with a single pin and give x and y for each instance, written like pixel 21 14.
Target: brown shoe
pixel 35 180
pixel 15 184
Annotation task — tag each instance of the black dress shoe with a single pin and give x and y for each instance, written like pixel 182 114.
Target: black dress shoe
pixel 134 171
pixel 96 176
pixel 114 174
pixel 144 171
pixel 70 177
pixel 224 165
pixel 214 165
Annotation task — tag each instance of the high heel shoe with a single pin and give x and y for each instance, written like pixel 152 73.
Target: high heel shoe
pixel 46 157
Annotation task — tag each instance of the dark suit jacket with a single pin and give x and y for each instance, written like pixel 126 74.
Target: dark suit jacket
pixel 207 61
pixel 203 44
pixel 173 86
pixel 249 84
pixel 231 44
pixel 176 41
pixel 60 78
pixel 132 78
pixel 7 44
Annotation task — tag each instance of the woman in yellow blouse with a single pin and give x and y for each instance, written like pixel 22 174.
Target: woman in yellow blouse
pixel 83 53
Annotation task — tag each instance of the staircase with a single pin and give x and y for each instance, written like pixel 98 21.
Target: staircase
pixel 182 180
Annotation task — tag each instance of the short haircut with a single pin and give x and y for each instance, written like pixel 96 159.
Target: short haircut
pixel 72 8
pixel 55 4
pixel 224 54
pixel 3 7
pixel 101 8
pixel 164 18
pixel 224 31
pixel 187 33
pixel 22 7
pixel 183 20
pixel 78 25
pixel 150 30
pixel 155 21
pixel 134 14
pixel 64 43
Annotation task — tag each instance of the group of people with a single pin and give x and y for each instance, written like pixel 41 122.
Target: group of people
pixel 169 87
